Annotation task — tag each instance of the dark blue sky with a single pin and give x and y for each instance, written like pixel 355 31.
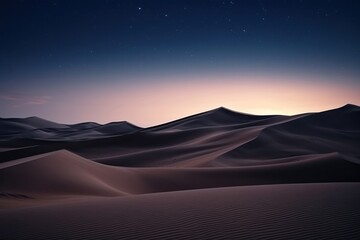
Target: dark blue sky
pixel 50 46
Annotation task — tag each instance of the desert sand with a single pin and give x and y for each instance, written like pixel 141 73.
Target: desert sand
pixel 215 175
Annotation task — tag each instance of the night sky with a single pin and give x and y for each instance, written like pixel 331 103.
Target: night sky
pixel 149 62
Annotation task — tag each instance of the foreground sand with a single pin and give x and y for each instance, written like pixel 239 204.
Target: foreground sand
pixel 214 175
pixel 296 211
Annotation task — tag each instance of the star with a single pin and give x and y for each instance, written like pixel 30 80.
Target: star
pixel 139 8
pixel 165 15
pixel 244 30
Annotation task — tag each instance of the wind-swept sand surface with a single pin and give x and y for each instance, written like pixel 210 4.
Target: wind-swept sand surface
pixel 295 211
pixel 214 175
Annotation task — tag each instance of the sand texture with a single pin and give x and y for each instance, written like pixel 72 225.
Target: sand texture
pixel 215 175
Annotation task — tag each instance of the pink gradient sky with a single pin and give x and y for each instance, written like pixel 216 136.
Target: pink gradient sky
pixel 160 101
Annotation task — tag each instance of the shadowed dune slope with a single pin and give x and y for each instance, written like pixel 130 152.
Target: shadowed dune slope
pixel 21 124
pixel 271 140
pixel 217 117
pixel 64 174
pixel 335 130
pixel 31 131
pixel 219 137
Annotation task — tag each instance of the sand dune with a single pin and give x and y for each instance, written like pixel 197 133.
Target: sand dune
pixel 59 173
pixel 296 211
pixel 33 128
pixel 217 117
pixel 22 124
pixel 214 175
pixel 63 174
pixel 335 130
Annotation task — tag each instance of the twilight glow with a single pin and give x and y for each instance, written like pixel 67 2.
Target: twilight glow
pixel 149 62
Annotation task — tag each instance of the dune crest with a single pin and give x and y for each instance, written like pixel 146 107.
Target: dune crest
pixel 220 174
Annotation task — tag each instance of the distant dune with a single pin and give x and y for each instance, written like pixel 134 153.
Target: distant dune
pixel 214 175
pixel 34 128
